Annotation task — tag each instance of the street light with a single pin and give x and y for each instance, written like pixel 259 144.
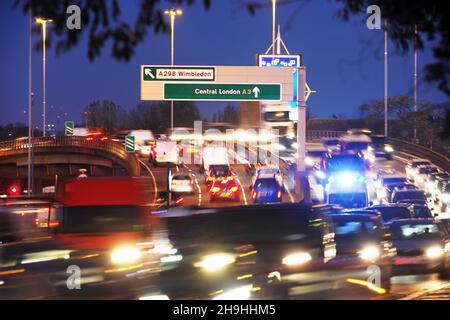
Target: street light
pixel 274 5
pixel 43 22
pixel 172 13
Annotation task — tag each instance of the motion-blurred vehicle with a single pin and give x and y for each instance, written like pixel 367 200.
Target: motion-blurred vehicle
pixel 218 173
pixel 392 211
pixel 359 143
pixel 443 194
pixel 360 243
pixel 225 189
pixel 176 200
pixel 422 174
pixel 237 253
pixel 384 194
pixel 355 131
pixel 99 225
pixel 411 167
pixel 409 196
pixel 267 189
pixel 381 147
pixel 423 246
pixel 214 155
pixel 431 183
pixel 264 171
pixel 331 144
pixel 315 157
pixel 182 183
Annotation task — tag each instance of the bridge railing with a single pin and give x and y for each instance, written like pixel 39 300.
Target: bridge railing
pixel 12 147
pixel 421 152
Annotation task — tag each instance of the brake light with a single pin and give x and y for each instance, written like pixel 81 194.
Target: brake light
pixel 230 178
pixel 104 138
pixel 54 224
pixel 279 178
pixel 215 189
pixel 279 194
pixel 210 178
pixel 179 201
pixel 234 189
pixel 253 195
pixel 14 190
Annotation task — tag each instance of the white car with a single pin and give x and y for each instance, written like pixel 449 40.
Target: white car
pixel 422 174
pixel 182 183
pixel 411 167
pixel 443 194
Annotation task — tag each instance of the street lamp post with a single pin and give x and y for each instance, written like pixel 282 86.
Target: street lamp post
pixel 274 5
pixel 43 22
pixel 172 13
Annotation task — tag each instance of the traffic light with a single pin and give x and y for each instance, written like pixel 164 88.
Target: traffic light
pixel 14 190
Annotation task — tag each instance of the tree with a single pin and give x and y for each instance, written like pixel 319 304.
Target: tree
pixel 105 114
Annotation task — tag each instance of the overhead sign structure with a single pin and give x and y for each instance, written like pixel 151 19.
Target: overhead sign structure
pixel 178 73
pixel 219 92
pixel 130 144
pixel 68 128
pixel 266 60
pixel 220 83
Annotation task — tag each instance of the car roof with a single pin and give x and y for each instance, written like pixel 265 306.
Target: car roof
pixel 388 205
pixel 355 216
pixel 393 175
pixel 266 176
pixel 419 160
pixel 405 191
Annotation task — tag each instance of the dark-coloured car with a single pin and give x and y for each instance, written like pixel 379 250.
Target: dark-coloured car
pixel 381 147
pixel 360 243
pixel 423 246
pixel 409 196
pixel 392 211
pixel 245 252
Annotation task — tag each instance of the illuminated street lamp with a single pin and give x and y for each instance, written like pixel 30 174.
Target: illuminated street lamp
pixel 172 13
pixel 43 22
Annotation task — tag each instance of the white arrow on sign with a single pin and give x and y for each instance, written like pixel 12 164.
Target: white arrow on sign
pixel 256 91
pixel 148 72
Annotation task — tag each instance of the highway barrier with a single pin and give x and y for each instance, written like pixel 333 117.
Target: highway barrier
pixel 21 145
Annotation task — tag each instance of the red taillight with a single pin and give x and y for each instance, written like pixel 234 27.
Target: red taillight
pixel 104 138
pixel 54 224
pixel 279 194
pixel 179 201
pixel 14 190
pixel 215 189
pixel 253 195
pixel 234 189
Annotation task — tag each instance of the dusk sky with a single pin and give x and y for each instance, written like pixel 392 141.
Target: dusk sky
pixel 343 59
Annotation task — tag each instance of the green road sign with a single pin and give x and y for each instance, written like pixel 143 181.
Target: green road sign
pixel 129 144
pixel 68 131
pixel 219 92
pixel 179 73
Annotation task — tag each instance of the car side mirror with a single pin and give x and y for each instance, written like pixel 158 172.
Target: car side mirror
pixel 371 203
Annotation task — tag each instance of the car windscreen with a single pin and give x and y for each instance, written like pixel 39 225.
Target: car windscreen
pixel 426 231
pixel 282 116
pixel 422 212
pixel 266 184
pixel 181 177
pixel 356 145
pixel 331 142
pixel 316 154
pixel 409 195
pixel 427 170
pixel 394 180
pixel 82 219
pixel 220 171
pixel 420 163
pixel 389 213
pixel 378 141
pixel 348 200
pixel 352 229
pixel 345 162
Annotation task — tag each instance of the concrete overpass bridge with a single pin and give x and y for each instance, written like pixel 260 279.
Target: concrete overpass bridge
pixel 64 156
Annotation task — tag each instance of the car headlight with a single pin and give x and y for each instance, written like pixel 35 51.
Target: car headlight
pixel 419 179
pixel 369 253
pixel 434 252
pixel 309 161
pixel 125 255
pixel 382 194
pixel 214 262
pixel 242 293
pixel 296 258
pixel 446 197
pixel 388 149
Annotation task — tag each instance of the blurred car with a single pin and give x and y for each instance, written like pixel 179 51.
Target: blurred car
pixel 363 131
pixel 246 252
pixel 446 223
pixel 422 174
pixel 431 183
pixel 225 189
pixel 381 147
pixel 360 243
pixel 182 183
pixel 392 211
pixel 423 246
pixel 265 171
pixel 331 144
pixel 443 194
pixel 359 143
pixel 411 167
pixel 267 189
pixel 315 157
pixel 409 196
pixel 176 200
pixel 421 211
pixel 218 173
pixel 384 194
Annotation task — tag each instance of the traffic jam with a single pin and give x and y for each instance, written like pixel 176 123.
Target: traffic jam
pixel 222 227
